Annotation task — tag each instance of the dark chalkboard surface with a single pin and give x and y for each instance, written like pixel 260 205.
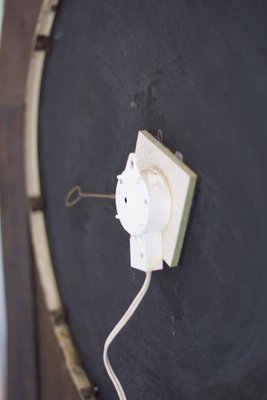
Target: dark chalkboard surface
pixel 197 70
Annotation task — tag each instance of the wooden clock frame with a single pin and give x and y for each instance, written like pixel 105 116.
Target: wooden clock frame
pixel 42 360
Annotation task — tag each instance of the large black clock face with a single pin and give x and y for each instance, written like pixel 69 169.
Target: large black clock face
pixel 198 71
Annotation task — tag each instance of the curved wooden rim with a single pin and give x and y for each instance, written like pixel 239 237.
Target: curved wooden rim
pixel 41 251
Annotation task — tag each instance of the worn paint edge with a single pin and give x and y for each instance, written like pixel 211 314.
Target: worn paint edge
pixel 38 231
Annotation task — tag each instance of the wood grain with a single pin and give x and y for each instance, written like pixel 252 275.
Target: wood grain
pixel 18 26
pixel 42 362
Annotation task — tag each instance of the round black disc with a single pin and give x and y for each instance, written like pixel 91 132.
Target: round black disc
pixel 197 71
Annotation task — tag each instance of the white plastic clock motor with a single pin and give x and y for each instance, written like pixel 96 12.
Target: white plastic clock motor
pixel 143 202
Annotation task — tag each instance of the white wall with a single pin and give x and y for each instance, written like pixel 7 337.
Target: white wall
pixel 3 336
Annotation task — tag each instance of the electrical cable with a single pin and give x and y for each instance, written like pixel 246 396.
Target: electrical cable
pixel 115 331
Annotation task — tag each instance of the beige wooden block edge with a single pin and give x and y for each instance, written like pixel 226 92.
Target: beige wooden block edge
pixel 152 153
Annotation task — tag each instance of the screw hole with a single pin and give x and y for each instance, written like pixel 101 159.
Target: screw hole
pixel 125 200
pixel 132 164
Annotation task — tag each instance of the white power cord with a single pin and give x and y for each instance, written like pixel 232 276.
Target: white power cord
pixel 122 322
